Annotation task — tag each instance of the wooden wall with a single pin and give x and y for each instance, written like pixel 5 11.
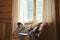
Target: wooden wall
pixel 57 10
pixel 5 18
pixel 59 23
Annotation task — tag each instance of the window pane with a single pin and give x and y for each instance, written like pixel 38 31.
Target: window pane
pixel 39 10
pixel 30 9
pixel 25 12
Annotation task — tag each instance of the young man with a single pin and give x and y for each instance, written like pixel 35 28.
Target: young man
pixel 22 30
pixel 19 28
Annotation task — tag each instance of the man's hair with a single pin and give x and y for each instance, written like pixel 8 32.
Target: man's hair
pixel 19 23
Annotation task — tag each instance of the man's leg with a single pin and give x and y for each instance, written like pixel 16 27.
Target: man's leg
pixel 33 36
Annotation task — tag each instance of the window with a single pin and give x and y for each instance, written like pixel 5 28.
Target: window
pixel 39 8
pixel 29 10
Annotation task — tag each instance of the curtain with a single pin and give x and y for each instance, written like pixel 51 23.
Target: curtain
pixel 39 6
pixel 14 14
pixel 49 17
pixel 22 12
pixel 25 11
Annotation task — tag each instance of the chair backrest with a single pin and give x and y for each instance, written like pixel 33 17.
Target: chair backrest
pixel 42 27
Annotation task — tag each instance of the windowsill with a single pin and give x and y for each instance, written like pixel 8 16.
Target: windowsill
pixel 31 22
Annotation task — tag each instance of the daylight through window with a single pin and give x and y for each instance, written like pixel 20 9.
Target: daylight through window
pixel 30 10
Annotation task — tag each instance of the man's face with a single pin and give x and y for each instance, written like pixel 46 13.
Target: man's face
pixel 20 25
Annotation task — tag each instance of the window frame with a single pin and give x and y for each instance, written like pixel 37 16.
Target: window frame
pixel 34 14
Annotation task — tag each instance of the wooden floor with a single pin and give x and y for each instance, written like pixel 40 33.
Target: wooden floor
pixel 17 38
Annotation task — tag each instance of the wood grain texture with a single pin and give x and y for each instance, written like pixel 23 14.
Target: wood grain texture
pixel 5 19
